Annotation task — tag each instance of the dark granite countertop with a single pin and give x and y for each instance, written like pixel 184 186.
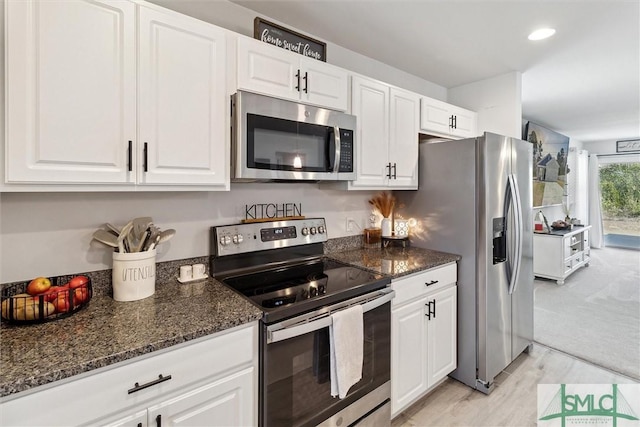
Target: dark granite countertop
pixel 395 262
pixel 106 331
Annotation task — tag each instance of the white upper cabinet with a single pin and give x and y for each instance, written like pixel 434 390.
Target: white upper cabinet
pixel 370 104
pixel 70 91
pixel 270 70
pixel 386 137
pixel 182 104
pixel 440 118
pixel 403 139
pixel 101 98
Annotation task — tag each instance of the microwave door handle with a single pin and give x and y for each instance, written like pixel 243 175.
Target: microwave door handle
pixel 336 157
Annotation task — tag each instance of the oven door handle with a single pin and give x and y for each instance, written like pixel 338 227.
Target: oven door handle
pixel 295 328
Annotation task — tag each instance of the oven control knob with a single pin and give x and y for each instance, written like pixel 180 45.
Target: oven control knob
pixel 313 230
pixel 305 231
pixel 313 291
pixel 225 240
pixel 321 229
pixel 238 238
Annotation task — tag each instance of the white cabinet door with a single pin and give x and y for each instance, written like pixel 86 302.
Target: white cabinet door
pixel 403 138
pixel 228 402
pixel 408 354
pixel 444 119
pixel 267 70
pixel 182 101
pixel 137 419
pixel 70 91
pixel 370 103
pixel 442 332
pixel 434 116
pixel 273 71
pixel 387 135
pixel 323 84
pixel 465 122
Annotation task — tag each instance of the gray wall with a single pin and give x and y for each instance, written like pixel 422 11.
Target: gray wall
pixel 50 233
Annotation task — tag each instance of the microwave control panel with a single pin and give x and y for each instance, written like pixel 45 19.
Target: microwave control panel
pixel 346 151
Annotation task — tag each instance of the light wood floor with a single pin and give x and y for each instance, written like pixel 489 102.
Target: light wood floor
pixel 513 402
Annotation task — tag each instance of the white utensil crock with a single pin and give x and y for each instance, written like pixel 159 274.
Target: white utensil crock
pixel 134 275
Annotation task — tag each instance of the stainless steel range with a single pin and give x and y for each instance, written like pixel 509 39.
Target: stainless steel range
pixel 279 266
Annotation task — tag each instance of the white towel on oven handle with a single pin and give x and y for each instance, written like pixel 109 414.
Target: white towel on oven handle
pixel 346 338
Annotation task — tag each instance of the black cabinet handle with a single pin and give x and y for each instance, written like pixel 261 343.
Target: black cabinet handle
pixel 433 282
pixel 130 156
pixel 146 157
pixel 159 420
pixel 306 82
pixel 451 121
pixel 298 77
pixel 138 387
pixel 139 424
pixel 455 122
pixel 431 310
pixel 394 171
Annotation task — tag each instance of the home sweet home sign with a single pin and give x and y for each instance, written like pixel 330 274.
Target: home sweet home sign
pixel 276 35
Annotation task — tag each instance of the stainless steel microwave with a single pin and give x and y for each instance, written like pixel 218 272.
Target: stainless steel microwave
pixel 274 139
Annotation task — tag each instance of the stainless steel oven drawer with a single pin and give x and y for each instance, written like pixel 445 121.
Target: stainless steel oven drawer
pixel 373 410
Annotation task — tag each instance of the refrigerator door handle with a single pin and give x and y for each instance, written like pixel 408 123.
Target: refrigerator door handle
pixel 514 199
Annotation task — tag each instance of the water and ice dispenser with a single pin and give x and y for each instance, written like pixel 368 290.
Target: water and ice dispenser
pixel 499 240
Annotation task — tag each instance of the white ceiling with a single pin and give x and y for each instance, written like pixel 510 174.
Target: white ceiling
pixel 583 82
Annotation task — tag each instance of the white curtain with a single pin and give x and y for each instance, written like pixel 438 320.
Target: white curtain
pixel 595 205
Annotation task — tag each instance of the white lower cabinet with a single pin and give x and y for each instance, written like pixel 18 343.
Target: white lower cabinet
pixel 138 419
pixel 213 382
pixel 423 334
pixel 217 404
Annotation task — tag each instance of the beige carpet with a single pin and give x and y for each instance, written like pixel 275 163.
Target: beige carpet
pixel 595 315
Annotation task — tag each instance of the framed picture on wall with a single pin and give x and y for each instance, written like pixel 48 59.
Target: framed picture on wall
pixel 628 146
pixel 550 152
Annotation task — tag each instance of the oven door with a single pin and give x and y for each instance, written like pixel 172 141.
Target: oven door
pixel 295 387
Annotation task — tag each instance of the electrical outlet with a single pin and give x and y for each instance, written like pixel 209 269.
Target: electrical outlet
pixel 350 223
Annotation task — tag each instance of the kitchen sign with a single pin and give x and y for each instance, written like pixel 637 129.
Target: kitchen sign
pixel 276 35
pixel 272 211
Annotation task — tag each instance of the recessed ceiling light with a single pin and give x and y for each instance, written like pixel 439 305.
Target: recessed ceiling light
pixel 542 33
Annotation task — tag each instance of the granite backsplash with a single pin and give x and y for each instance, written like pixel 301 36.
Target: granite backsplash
pixel 101 279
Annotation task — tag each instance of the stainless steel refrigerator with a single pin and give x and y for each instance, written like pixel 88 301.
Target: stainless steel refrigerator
pixel 475 200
